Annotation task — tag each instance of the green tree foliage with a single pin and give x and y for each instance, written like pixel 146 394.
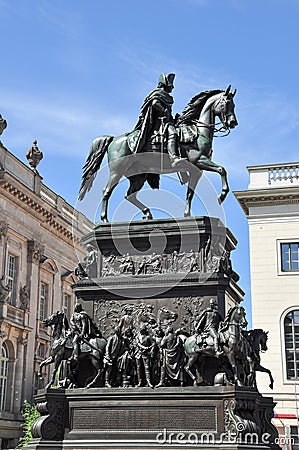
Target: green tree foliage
pixel 30 414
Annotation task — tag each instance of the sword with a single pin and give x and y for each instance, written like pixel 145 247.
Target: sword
pixel 162 140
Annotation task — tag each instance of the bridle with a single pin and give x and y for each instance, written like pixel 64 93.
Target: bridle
pixel 223 117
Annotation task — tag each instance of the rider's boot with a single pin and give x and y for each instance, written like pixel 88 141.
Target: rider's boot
pixel 162 377
pixel 139 376
pixel 107 379
pixel 148 377
pixel 172 148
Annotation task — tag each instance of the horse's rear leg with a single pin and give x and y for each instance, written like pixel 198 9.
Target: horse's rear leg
pixel 107 191
pixel 136 183
pixel 97 364
pixel 192 359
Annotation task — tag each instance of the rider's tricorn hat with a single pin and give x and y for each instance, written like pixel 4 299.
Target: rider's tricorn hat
pixel 166 79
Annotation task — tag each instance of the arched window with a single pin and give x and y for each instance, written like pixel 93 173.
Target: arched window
pixel 3 376
pixel 291 336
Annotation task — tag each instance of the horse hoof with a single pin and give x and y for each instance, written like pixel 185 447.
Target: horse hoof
pixel 221 197
pixel 147 214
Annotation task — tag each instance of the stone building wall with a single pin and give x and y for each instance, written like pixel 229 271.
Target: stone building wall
pixel 271 205
pixel 40 244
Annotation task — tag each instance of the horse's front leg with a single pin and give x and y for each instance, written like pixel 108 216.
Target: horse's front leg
pixel 47 361
pixel 57 360
pixel 206 164
pixel 259 368
pixel 192 183
pixel 52 380
pixel 229 351
pixel 225 187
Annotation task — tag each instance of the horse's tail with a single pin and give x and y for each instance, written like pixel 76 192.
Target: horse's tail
pixel 97 152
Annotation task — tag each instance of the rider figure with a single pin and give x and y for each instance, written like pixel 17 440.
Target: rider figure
pixel 208 323
pixel 156 111
pixel 83 330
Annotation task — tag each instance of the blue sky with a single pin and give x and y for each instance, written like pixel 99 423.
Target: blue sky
pixel 73 70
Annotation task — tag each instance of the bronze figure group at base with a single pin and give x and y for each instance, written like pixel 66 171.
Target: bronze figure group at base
pixel 145 349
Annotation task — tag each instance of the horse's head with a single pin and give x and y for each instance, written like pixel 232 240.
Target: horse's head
pixel 238 315
pixel 225 109
pixel 164 314
pixel 263 338
pixel 54 319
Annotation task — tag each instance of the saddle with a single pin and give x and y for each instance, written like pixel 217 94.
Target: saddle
pixel 85 348
pixel 204 340
pixel 186 134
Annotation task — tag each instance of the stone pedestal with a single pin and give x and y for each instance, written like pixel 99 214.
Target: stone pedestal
pixel 176 263
pixel 204 417
pixel 167 271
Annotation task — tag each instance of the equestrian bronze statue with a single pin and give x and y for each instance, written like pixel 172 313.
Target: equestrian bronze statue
pixel 161 143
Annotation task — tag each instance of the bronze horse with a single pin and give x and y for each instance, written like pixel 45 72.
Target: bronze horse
pixel 254 342
pixel 229 341
pixel 62 347
pixel 195 128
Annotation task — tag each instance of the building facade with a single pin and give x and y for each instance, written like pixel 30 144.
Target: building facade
pixel 40 245
pixel 271 204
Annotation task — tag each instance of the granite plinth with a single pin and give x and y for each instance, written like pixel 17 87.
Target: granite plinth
pixel 191 417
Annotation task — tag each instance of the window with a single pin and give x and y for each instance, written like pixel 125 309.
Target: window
pixel 290 257
pixel 294 437
pixel 11 276
pixel 66 305
pixel 43 302
pixel 41 351
pixel 291 335
pixel 3 376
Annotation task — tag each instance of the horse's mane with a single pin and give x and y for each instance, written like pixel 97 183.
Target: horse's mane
pixel 252 334
pixel 225 323
pixel 196 104
pixel 230 313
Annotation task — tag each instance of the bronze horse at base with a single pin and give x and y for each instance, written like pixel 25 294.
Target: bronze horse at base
pixel 62 348
pixel 254 342
pixel 229 342
pixel 195 128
